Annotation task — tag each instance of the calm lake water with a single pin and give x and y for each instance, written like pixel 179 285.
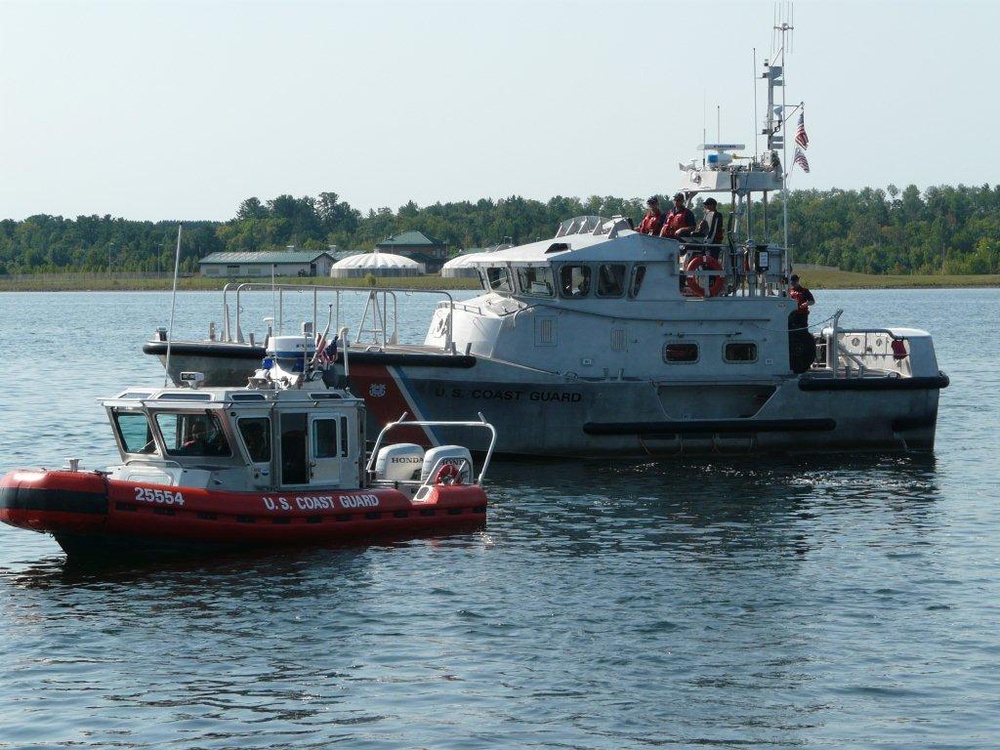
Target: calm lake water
pixel 826 602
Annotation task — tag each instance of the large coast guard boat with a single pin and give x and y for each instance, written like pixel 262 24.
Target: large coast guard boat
pixel 280 461
pixel 603 341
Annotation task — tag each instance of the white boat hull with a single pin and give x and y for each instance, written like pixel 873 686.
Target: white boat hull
pixel 550 416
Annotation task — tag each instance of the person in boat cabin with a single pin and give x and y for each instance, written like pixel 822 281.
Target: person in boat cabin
pixel 205 438
pixel 680 220
pixel 805 299
pixel 652 222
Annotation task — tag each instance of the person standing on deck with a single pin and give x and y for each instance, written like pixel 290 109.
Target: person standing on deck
pixel 710 226
pixel 652 222
pixel 805 299
pixel 680 220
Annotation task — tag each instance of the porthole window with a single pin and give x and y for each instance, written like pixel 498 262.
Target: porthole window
pixel 678 353
pixel 740 351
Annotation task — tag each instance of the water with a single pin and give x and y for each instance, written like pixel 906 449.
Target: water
pixel 809 602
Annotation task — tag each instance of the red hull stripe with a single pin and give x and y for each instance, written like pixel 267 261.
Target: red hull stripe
pixel 387 395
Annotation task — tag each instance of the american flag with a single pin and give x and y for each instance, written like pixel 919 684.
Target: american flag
pixel 801 160
pixel 801 139
pixel 326 352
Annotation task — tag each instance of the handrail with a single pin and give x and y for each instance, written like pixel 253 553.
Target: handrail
pixel 871 353
pixel 384 327
pixel 403 422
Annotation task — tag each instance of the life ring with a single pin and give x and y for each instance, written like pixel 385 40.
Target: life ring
pixel 718 283
pixel 448 474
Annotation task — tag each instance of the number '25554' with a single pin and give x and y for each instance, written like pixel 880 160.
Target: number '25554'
pixel 162 497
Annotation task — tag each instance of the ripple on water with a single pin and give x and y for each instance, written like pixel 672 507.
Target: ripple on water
pixel 719 601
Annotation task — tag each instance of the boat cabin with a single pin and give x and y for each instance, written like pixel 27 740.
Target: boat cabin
pixel 577 266
pixel 240 439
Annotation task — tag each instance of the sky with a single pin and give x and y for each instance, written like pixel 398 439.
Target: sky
pixel 182 109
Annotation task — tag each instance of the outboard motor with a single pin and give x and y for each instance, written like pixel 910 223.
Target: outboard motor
pixel 456 455
pixel 401 462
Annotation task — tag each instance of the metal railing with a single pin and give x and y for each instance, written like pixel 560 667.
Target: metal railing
pixel 379 323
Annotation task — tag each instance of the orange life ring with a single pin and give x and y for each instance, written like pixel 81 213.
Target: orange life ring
pixel 718 283
pixel 448 474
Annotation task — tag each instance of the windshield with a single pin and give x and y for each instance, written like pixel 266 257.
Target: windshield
pixel 187 434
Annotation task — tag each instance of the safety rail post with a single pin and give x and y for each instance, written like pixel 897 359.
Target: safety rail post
pixel 833 349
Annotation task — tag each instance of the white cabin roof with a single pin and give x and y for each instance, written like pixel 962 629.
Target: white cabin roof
pixel 610 239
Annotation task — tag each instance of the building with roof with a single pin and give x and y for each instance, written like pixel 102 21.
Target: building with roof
pixel 264 264
pixel 430 252
pixel 376 264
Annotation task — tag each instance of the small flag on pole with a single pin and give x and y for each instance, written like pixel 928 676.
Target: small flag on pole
pixel 801 139
pixel 801 160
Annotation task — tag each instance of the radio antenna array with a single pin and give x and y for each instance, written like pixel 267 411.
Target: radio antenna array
pixel 784 24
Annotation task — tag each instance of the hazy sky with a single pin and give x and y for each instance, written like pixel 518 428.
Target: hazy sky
pixel 179 110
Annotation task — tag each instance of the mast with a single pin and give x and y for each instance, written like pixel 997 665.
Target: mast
pixel 777 113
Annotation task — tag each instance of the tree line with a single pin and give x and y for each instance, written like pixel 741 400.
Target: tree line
pixel 952 230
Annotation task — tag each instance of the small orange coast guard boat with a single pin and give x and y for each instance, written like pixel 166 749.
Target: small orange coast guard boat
pixel 279 462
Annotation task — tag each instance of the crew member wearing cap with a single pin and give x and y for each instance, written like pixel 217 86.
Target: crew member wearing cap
pixel 652 222
pixel 680 220
pixel 800 318
pixel 710 225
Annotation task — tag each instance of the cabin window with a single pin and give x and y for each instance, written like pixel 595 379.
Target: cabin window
pixel 344 441
pixel 193 434
pixel 611 280
pixel 740 351
pixel 638 274
pixel 324 438
pixel 677 353
pixel 498 279
pixel 135 432
pixel 256 434
pixel 536 282
pixel 574 281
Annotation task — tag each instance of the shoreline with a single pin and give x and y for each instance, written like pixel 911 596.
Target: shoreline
pixel 814 278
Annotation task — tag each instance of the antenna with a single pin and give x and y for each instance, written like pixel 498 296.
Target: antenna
pixel 782 32
pixel 704 119
pixel 173 304
pixel 756 138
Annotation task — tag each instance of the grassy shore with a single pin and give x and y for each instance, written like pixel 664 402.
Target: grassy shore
pixel 814 278
pixel 86 282
pixel 825 278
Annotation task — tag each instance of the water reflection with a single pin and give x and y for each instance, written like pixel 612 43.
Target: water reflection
pixel 711 507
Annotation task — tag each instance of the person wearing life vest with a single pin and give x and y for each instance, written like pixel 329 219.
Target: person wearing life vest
pixel 680 220
pixel 805 300
pixel 652 222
